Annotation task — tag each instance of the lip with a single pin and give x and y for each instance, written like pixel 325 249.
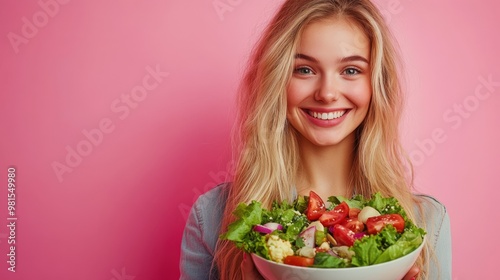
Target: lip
pixel 325 110
pixel 325 123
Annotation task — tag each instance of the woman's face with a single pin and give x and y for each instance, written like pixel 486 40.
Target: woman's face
pixel 329 93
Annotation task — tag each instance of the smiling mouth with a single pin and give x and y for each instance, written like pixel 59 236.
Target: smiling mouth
pixel 326 116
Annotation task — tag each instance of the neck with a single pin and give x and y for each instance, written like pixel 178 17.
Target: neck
pixel 325 170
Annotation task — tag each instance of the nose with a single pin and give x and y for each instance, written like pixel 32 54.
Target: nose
pixel 328 90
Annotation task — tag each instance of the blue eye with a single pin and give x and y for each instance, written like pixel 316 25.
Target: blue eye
pixel 351 71
pixel 303 71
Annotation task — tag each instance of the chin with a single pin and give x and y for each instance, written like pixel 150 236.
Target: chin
pixel 330 140
pixel 326 142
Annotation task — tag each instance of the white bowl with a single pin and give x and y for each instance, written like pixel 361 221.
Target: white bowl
pixel 391 270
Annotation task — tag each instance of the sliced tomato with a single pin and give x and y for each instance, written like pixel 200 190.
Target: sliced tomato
pixel 375 224
pixel 315 207
pixel 343 235
pixel 335 216
pixel 353 224
pixel 298 261
pixel 353 212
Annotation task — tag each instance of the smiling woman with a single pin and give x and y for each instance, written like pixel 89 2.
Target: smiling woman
pixel 319 111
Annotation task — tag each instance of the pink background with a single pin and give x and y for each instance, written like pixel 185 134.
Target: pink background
pixel 120 212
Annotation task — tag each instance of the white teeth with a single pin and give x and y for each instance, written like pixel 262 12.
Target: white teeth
pixel 327 116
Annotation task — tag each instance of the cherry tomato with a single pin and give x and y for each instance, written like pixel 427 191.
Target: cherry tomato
pixel 298 261
pixel 315 207
pixel 353 224
pixel 335 216
pixel 375 224
pixel 343 235
pixel 353 212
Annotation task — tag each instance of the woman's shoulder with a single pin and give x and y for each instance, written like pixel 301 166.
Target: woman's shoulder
pixel 214 197
pixel 211 204
pixel 432 214
pixel 201 233
pixel 206 215
pixel 431 205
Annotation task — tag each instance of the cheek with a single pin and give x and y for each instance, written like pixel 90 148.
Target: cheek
pixel 299 90
pixel 293 95
pixel 361 96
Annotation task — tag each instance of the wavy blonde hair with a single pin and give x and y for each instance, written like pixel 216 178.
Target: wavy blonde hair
pixel 266 147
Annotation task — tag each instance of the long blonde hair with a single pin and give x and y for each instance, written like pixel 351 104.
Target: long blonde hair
pixel 267 156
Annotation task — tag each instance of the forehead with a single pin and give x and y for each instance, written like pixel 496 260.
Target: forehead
pixel 334 36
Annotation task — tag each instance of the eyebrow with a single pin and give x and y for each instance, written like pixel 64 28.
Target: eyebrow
pixel 354 58
pixel 343 60
pixel 306 57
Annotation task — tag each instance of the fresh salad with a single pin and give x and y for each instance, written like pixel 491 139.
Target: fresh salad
pixel 341 233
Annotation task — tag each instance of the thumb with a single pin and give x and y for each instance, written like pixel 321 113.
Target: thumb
pixel 412 273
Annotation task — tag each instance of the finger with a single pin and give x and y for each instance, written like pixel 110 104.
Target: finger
pixel 412 273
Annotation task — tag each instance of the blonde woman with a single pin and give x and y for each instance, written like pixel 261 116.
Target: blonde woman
pixel 319 110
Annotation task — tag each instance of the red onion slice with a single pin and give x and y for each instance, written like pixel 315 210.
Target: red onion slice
pixel 359 235
pixel 273 226
pixel 267 228
pixel 333 253
pixel 309 236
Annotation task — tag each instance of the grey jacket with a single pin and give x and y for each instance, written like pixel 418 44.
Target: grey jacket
pixel 203 227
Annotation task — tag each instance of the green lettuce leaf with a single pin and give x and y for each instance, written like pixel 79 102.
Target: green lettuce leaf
pixel 388 236
pixel 409 241
pixel 326 260
pixel 301 203
pixel 356 202
pixel 255 242
pixel 293 228
pixel 366 250
pixel 387 205
pixel 249 215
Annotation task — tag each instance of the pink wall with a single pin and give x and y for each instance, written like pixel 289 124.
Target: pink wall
pixel 132 102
